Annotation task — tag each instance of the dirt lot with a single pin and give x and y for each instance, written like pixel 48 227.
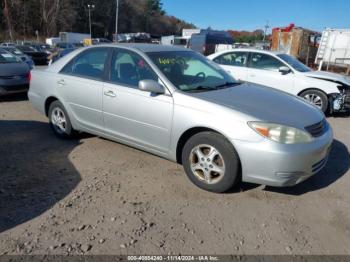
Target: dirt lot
pixel 95 196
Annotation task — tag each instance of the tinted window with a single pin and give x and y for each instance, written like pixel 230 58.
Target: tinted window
pixel 266 62
pixel 129 68
pixel 89 64
pixel 232 59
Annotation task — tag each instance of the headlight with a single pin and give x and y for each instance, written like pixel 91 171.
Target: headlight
pixel 280 133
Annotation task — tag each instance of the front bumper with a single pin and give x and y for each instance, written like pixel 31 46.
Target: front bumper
pixel 281 165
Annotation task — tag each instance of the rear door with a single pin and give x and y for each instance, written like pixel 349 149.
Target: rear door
pixel 138 117
pixel 80 83
pixel 235 63
pixel 263 69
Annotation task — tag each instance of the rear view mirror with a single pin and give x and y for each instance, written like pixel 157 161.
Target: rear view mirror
pixel 151 86
pixel 284 70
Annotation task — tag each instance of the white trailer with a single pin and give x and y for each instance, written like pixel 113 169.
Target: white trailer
pixel 53 41
pixel 334 48
pixel 74 38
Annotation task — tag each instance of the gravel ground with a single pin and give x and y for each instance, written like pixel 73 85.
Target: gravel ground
pixel 94 196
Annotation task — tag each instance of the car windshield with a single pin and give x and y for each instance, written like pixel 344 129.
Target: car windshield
pixel 6 57
pixel 191 72
pixel 27 48
pixel 295 63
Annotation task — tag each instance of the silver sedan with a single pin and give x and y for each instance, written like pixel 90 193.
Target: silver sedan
pixel 177 104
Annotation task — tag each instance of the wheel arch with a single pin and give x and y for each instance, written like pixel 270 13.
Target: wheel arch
pixel 187 135
pixel 48 102
pixel 312 88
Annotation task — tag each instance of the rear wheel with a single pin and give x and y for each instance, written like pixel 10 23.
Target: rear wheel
pixel 211 162
pixel 317 98
pixel 59 121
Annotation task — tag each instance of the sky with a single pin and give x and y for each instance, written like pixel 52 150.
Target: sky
pixel 254 14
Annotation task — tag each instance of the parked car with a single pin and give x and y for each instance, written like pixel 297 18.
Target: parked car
pixel 177 104
pixel 100 41
pixel 206 41
pixel 39 57
pixel 7 44
pixel 327 91
pixel 59 54
pixel 65 45
pixel 14 74
pixel 18 53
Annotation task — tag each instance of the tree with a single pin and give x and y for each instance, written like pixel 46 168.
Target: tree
pixel 50 17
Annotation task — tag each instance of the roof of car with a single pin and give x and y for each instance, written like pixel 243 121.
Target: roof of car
pixel 148 48
pixel 252 50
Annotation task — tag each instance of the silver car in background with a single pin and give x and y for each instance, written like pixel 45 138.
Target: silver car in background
pixel 177 104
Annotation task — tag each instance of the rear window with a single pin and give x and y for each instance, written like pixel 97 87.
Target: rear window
pixel 6 57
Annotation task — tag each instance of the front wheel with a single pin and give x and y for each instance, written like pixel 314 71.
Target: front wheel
pixel 211 162
pixel 317 98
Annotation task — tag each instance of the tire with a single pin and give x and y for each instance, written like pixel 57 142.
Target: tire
pixel 317 98
pixel 203 173
pixel 61 126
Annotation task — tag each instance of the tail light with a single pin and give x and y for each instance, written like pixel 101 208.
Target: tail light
pixel 29 76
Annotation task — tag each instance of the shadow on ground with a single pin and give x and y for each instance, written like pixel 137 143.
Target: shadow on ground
pixel 35 171
pixel 337 166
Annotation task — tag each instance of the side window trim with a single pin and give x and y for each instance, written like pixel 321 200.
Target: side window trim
pixel 105 69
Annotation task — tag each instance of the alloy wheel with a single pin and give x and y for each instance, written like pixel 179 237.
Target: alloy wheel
pixel 314 99
pixel 59 121
pixel 207 164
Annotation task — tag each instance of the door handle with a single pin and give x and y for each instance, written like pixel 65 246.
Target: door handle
pixel 252 75
pixel 61 82
pixel 110 93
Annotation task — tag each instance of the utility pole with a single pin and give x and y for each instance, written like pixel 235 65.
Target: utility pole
pixel 8 19
pixel 266 28
pixel 90 8
pixel 116 20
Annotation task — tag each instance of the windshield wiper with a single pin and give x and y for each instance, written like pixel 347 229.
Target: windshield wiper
pixel 202 88
pixel 227 84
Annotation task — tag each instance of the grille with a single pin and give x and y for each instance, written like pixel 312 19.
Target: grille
pixel 318 129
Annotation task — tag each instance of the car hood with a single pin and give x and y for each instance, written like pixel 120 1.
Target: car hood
pixel 265 104
pixel 13 69
pixel 328 76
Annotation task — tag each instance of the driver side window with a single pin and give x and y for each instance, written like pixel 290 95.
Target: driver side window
pixel 129 68
pixel 265 62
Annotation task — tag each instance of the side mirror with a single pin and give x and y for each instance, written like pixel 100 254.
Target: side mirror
pixel 284 70
pixel 151 86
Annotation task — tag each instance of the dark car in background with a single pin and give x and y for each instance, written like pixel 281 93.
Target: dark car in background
pixel 18 53
pixel 14 74
pixel 59 54
pixel 206 41
pixel 64 45
pixel 39 57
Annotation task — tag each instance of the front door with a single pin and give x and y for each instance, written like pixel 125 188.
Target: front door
pixel 263 69
pixel 138 117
